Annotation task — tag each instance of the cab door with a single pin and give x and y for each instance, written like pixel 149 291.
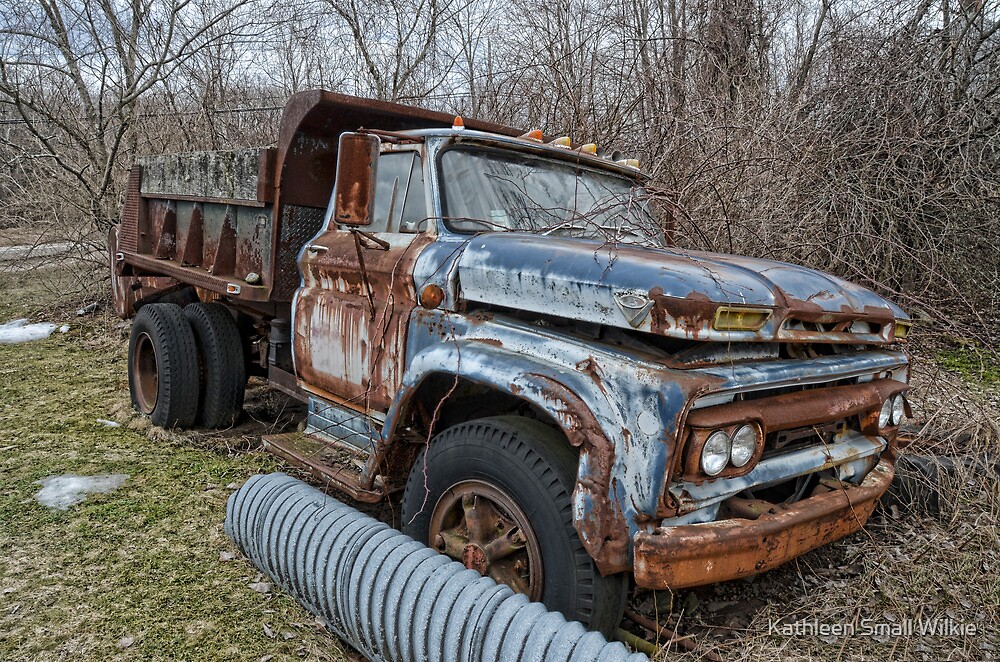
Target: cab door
pixel 352 313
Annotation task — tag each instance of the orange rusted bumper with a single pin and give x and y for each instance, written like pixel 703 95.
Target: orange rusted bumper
pixel 697 554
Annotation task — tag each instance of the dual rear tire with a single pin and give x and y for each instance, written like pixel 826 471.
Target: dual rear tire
pixel 185 365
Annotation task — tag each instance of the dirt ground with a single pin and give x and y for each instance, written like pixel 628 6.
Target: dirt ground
pixel 146 572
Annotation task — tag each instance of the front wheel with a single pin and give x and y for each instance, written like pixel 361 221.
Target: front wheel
pixel 495 494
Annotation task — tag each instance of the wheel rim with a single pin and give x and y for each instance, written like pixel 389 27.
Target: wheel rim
pixel 145 379
pixel 481 526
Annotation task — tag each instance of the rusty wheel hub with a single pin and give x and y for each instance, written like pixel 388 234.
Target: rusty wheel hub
pixel 144 373
pixel 484 528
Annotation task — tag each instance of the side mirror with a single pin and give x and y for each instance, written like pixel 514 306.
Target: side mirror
pixel 354 190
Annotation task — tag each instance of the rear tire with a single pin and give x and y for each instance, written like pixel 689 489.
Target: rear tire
pixel 163 366
pixel 223 375
pixel 511 469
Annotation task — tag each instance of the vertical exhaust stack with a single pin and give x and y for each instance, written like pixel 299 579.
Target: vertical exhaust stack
pixel 389 596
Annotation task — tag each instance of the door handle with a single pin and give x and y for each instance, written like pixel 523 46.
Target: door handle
pixel 316 248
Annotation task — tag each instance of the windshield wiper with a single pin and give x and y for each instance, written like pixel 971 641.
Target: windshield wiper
pixel 563 226
pixel 487 224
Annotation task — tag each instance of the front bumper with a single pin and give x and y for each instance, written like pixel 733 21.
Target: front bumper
pixel 697 554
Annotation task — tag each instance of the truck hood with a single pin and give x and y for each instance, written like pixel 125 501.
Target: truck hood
pixel 670 292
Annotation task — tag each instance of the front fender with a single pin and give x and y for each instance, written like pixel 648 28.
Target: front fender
pixel 596 400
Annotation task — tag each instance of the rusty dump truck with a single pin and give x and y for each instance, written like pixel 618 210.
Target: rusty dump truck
pixel 495 324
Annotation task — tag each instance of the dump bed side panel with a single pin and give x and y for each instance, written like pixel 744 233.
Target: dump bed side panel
pixel 244 176
pixel 204 219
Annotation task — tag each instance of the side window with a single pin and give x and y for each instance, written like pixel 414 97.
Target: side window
pixel 399 193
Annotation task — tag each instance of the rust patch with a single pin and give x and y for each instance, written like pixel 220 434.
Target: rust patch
pixel 251 239
pixel 694 555
pixel 800 408
pixel 224 258
pixel 190 252
pixel 690 314
pixel 603 529
pixel 163 217
pixel 128 290
pixel 339 345
pixel 355 185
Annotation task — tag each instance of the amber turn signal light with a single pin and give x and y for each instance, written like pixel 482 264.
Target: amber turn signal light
pixel 734 318
pixel 431 296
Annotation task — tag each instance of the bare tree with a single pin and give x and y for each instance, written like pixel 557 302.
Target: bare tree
pixel 73 75
pixel 855 136
pixel 402 46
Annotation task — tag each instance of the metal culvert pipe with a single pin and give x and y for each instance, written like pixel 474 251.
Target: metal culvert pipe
pixel 390 597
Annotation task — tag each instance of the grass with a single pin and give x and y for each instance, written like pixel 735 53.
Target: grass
pixel 972 363
pixel 135 573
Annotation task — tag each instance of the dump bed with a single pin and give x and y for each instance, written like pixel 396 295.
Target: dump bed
pixel 233 222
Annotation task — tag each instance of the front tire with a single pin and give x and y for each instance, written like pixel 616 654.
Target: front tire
pixel 495 494
pixel 163 366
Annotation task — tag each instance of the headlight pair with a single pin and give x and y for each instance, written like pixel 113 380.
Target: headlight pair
pixel 721 450
pixel 892 411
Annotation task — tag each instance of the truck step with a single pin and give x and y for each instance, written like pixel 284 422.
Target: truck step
pixel 326 461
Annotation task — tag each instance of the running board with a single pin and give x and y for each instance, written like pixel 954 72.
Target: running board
pixel 337 467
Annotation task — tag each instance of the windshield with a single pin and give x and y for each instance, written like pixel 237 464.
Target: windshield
pixel 488 189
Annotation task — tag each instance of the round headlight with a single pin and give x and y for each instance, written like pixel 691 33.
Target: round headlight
pixel 744 445
pixel 715 454
pixel 885 415
pixel 898 409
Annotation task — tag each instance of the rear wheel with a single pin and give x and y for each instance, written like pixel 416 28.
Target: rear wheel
pixel 223 374
pixel 163 366
pixel 495 494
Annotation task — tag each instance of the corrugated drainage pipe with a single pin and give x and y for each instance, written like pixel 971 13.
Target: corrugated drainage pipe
pixel 390 597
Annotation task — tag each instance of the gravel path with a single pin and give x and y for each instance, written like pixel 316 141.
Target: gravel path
pixel 28 251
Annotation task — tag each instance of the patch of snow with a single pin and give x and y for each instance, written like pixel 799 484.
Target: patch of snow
pixel 64 328
pixel 61 492
pixel 20 331
pixel 107 423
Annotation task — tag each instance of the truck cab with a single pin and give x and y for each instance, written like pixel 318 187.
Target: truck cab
pixel 494 327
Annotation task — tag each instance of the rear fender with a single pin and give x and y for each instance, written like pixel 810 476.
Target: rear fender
pixel 128 291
